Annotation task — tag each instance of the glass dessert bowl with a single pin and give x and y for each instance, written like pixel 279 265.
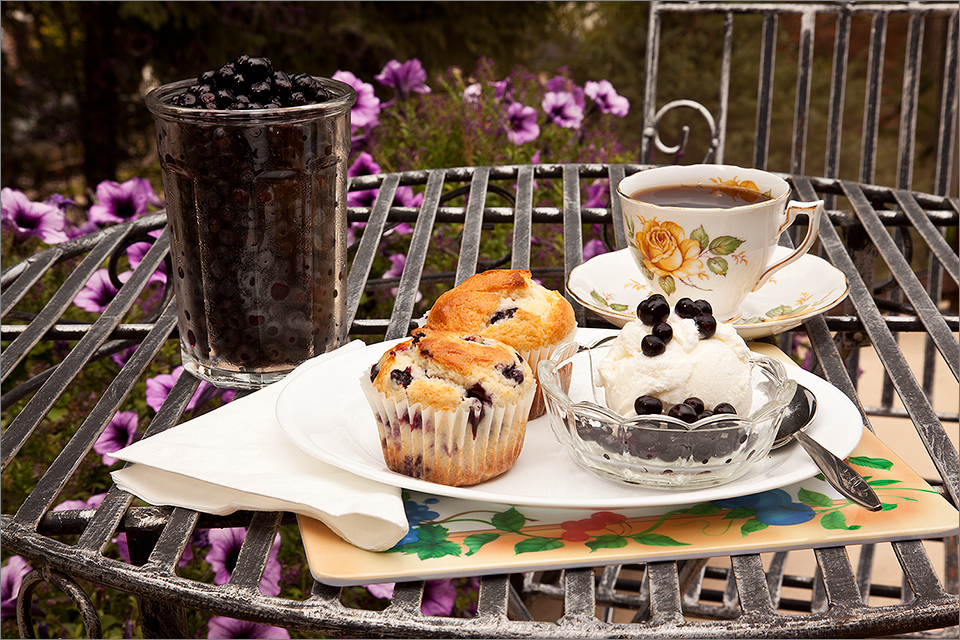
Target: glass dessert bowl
pixel 660 450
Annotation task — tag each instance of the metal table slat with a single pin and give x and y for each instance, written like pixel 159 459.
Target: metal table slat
pixel 472 226
pixel 929 313
pixel 871 108
pixel 59 303
pixel 367 251
pixel 255 550
pixel 523 219
pixel 838 577
pixel 934 239
pixel 72 454
pixel 617 173
pixel 666 605
pixel 946 136
pixel 14 293
pixel 417 255
pixel 752 586
pixel 768 53
pixel 909 100
pixel 572 232
pixel 22 426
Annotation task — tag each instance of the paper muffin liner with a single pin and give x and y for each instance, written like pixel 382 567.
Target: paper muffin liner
pixel 441 445
pixel 533 358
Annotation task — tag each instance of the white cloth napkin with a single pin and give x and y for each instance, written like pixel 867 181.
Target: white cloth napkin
pixel 237 457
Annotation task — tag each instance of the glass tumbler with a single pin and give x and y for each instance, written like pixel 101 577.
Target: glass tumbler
pixel 256 204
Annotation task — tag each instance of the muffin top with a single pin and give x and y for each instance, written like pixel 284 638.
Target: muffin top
pixel 505 305
pixel 442 369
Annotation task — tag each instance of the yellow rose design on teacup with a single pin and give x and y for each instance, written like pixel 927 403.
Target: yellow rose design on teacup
pixel 667 255
pixel 667 251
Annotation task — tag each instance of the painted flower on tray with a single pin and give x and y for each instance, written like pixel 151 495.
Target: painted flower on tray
pixel 775 507
pixel 120 202
pixel 26 219
pixel 11 576
pixel 225 550
pixel 221 627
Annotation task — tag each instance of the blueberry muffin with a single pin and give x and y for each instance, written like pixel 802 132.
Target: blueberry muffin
pixel 507 305
pixel 450 409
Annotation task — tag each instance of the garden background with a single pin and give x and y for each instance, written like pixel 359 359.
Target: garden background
pixel 453 84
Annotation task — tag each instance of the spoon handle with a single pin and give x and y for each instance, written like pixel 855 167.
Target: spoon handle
pixel 839 474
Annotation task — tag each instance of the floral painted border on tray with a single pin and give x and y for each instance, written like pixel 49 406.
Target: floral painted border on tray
pixel 454 537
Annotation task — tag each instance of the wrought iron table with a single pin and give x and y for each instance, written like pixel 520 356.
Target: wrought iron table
pixel 666 599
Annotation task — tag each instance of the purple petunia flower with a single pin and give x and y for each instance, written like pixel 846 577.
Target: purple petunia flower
pixel 562 83
pixel 409 77
pixel 397 262
pixel 364 165
pixel 135 253
pixel 438 596
pixel 59 201
pixel 606 98
pixel 121 357
pixel 122 202
pixel 31 219
pixel 596 194
pixel 503 90
pixel 159 387
pixel 221 627
pixel 99 291
pixel 471 94
pixel 73 231
pixel 592 249
pixel 118 434
pixel 90 503
pixel 11 577
pixel 366 110
pixel 522 124
pixel 222 557
pixel 562 109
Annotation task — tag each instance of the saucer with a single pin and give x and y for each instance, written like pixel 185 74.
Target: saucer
pixel 612 286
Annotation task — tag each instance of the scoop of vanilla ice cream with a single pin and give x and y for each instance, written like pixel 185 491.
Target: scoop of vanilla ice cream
pixel 715 369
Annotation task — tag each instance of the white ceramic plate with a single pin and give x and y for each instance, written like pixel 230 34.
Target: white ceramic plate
pixel 323 411
pixel 612 286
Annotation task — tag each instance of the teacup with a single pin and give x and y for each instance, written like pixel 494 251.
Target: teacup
pixel 709 231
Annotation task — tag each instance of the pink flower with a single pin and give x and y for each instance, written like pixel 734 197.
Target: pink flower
pixel 99 291
pixel 31 219
pixel 596 194
pixel 522 124
pixel 408 77
pixel 562 109
pixel 11 577
pixel 122 202
pixel 606 98
pixel 221 627
pixel 135 253
pixel 366 110
pixel 438 596
pixel 222 557
pixel 159 387
pixel 592 249
pixel 119 433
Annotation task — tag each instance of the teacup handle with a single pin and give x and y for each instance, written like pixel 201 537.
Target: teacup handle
pixel 795 207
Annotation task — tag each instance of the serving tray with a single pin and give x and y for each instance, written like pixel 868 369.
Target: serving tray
pixel 454 537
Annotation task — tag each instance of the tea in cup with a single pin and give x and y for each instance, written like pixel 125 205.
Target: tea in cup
pixel 709 231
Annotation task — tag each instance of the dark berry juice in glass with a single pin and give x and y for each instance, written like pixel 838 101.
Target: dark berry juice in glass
pixel 256 203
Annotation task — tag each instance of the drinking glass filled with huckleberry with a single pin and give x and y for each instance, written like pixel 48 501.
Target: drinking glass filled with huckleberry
pixel 254 172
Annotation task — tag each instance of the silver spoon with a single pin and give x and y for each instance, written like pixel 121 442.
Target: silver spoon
pixel 798 414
